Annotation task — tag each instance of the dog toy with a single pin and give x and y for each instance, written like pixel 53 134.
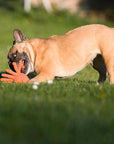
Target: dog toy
pixel 16 76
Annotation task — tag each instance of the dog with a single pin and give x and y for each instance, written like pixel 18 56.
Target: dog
pixel 65 55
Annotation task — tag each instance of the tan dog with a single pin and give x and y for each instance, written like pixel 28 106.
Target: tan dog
pixel 65 55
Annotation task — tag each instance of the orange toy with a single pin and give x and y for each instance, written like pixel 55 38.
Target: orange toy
pixel 17 76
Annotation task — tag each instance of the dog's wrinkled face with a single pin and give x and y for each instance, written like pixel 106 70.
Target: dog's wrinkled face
pixel 20 51
pixel 16 57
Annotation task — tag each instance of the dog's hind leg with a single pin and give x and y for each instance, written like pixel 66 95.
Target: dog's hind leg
pixel 99 65
pixel 109 61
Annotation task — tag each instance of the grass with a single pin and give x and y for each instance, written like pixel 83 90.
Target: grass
pixel 71 110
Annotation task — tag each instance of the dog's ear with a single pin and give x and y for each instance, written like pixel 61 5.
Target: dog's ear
pixel 18 36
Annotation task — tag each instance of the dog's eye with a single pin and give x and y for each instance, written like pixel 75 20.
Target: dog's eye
pixel 14 55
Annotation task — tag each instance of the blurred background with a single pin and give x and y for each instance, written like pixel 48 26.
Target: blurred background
pixel 93 8
pixel 43 18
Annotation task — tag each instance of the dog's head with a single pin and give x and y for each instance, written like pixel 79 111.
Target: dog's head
pixel 21 50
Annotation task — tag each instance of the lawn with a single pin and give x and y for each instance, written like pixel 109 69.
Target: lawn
pixel 71 110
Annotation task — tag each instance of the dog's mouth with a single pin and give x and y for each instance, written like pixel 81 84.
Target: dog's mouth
pixel 19 57
pixel 25 66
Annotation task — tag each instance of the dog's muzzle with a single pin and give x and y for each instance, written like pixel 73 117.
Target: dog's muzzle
pixel 16 57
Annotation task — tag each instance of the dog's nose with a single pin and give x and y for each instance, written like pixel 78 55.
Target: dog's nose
pixel 11 65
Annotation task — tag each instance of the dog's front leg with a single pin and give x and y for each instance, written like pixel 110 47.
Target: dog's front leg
pixel 42 77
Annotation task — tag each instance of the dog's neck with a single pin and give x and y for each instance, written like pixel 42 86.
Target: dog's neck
pixel 37 49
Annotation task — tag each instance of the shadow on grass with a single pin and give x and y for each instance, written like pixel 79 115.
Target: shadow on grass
pixel 1 74
pixel 75 79
pixel 31 75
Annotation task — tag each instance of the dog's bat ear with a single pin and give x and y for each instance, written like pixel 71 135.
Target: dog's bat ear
pixel 18 36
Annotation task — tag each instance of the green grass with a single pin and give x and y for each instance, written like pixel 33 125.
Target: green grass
pixel 71 110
